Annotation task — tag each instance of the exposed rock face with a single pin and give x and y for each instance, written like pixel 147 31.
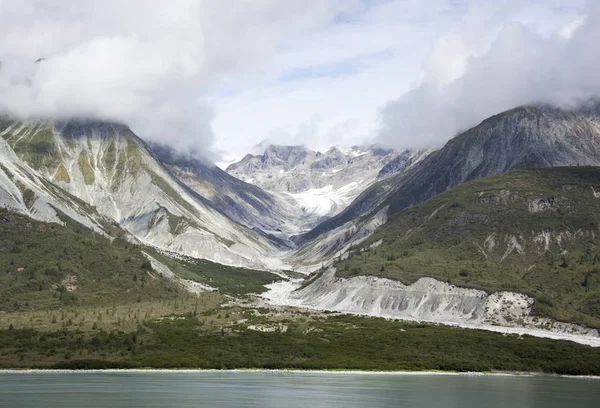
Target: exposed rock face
pixel 251 206
pixel 402 162
pixel 296 169
pixel 22 190
pixel 111 172
pixel 321 183
pixel 529 136
pixel 426 300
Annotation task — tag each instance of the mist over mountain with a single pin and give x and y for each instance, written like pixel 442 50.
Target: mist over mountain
pixel 471 75
pixel 107 167
pixel 527 136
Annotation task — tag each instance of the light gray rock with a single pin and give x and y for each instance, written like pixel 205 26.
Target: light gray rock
pixel 527 136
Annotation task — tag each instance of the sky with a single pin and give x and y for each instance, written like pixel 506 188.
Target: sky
pixel 219 77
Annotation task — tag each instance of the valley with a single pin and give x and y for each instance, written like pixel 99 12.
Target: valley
pixel 118 253
pixel 189 332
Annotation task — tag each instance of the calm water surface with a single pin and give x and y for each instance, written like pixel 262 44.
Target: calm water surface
pixel 279 389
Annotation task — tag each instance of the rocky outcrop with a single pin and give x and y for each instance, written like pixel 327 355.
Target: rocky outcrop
pixel 426 300
pixel 273 215
pixel 296 169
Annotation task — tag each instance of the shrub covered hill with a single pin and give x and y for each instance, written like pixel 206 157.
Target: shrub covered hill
pixel 48 266
pixel 535 231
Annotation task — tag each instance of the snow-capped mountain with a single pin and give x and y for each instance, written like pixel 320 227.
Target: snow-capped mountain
pixel 101 173
pixel 322 183
pixel 96 171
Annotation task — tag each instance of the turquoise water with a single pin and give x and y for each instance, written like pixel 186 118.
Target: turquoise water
pixel 284 389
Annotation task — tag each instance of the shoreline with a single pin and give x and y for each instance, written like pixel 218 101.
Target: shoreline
pixel 291 371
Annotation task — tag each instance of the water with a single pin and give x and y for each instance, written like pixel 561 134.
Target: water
pixel 282 389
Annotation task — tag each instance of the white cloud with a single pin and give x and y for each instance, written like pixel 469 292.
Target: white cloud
pixel 224 75
pixel 151 64
pixel 514 62
pixel 333 79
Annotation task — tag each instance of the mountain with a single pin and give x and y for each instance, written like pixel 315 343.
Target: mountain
pixel 517 249
pixel 321 183
pixel 92 216
pixel 267 213
pixel 527 136
pixel 115 176
pixel 47 266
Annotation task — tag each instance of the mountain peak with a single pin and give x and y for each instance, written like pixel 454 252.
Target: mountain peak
pixel 322 183
pixel 523 137
pixel 85 168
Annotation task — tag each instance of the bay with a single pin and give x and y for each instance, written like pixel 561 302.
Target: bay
pixel 290 389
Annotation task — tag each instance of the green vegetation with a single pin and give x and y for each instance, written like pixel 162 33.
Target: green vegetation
pixel 72 298
pixel 110 158
pixel 119 171
pixel 62 174
pixel 85 167
pixel 177 224
pixel 129 160
pixel 232 338
pixel 229 280
pixel 49 266
pixel 28 195
pixel 164 186
pixel 109 316
pixel 133 159
pixel 6 171
pixel 532 231
pixel 35 144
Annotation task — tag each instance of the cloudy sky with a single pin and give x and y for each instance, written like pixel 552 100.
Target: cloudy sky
pixel 222 76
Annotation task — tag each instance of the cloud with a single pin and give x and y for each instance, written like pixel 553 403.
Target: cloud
pixel 324 87
pixel 494 61
pixel 150 64
pixel 224 75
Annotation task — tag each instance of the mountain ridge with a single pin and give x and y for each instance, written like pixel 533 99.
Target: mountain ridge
pixel 322 183
pixel 526 136
pixel 109 167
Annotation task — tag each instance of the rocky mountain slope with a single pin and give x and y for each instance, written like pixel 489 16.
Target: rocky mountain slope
pixel 514 250
pixel 528 136
pixel 518 249
pixel 267 213
pixel 321 183
pixel 110 170
pixel 296 169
